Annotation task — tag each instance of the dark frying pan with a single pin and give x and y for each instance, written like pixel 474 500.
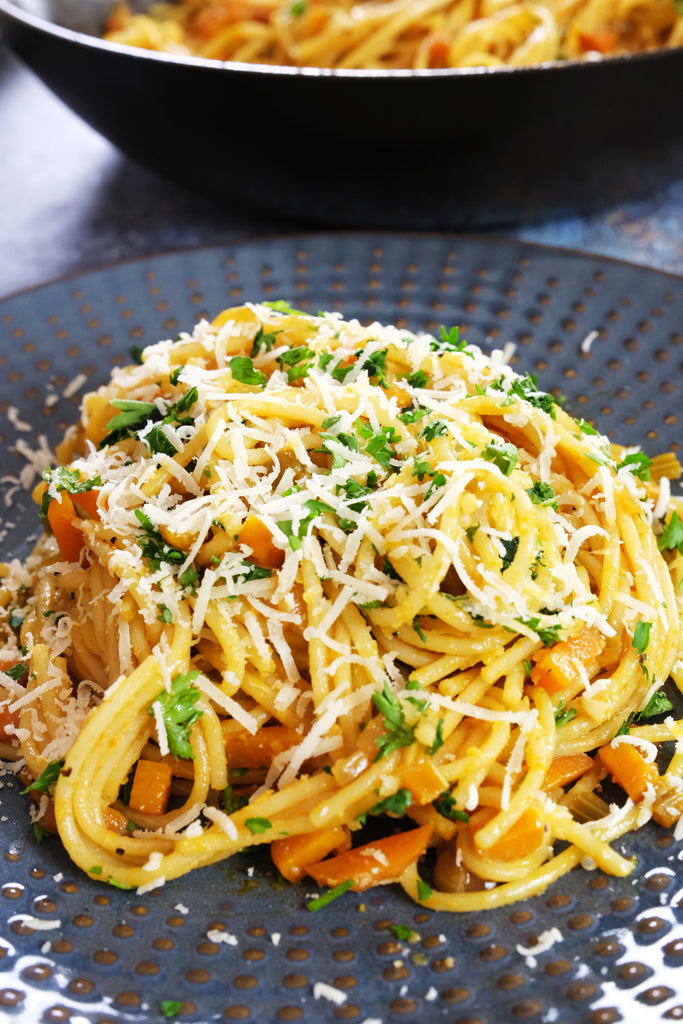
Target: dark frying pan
pixel 456 148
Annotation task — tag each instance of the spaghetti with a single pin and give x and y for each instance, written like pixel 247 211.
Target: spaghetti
pixel 302 578
pixel 416 34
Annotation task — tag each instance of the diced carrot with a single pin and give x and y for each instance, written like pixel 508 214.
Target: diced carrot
pixel 256 535
pixel 400 394
pixel 439 49
pixel 8 719
pixel 61 515
pixel 424 781
pixel 629 769
pixel 151 787
pixel 521 839
pixel 557 667
pixel 565 769
pixel 600 40
pixel 380 861
pixel 292 854
pixel 257 751
pixel 115 821
pixel 88 501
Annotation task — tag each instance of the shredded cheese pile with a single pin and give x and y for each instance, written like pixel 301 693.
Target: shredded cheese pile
pixel 302 579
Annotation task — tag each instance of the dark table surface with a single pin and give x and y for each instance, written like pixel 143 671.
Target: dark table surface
pixel 69 201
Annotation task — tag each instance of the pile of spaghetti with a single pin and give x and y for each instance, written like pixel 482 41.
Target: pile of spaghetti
pixel 364 595
pixel 399 33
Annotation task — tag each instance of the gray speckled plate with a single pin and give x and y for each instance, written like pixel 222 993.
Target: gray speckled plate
pixel 228 943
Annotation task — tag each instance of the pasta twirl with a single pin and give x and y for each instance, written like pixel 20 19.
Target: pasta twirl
pixel 301 576
pixel 418 34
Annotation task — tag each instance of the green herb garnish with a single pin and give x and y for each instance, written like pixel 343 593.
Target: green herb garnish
pixel 179 712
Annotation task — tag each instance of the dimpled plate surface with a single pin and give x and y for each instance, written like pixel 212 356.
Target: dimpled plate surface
pixel 229 942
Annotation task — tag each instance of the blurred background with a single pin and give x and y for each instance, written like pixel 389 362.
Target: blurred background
pixel 70 201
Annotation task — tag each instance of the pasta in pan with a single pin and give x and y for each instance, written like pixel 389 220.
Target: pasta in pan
pixel 414 34
pixel 367 596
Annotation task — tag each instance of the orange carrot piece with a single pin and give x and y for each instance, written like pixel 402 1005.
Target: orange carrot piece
pixel 61 515
pixel 257 751
pixel 424 781
pixel 566 769
pixel 629 769
pixel 256 535
pixel 317 19
pixel 400 394
pixel 439 50
pixel 380 861
pixel 87 500
pixel 151 787
pixel 8 719
pixel 521 839
pixel 292 854
pixel 600 41
pixel 557 667
pixel 115 821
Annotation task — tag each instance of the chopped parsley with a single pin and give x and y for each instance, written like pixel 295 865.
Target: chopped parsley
pixel 16 672
pixel 638 464
pixel 338 372
pixel 549 635
pixel 253 572
pixel 14 619
pixel 398 733
pixel 258 825
pixel 231 802
pixel 437 428
pixel 527 389
pixel 438 740
pixel 563 715
pixel 413 414
pixel 144 420
pixel 281 306
pixel 445 805
pixel 542 494
pixel 424 891
pixel 243 370
pixel 263 340
pixel 587 428
pixel 296 362
pixel 510 550
pixel 658 704
pixel 165 614
pixel 502 454
pixel 449 341
pixel 295 532
pixel 154 548
pixel 641 637
pixel 321 901
pixel 671 537
pixel 179 712
pixel 376 366
pixel 68 480
pixel 170 1007
pixel 418 379
pixel 416 627
pixel 402 932
pixel 379 444
pixel 47 780
pixel 396 804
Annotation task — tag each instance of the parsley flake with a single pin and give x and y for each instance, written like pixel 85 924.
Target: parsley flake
pixel 321 901
pixel 47 780
pixel 179 712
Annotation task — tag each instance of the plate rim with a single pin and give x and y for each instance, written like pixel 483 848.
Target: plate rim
pixel 273 238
